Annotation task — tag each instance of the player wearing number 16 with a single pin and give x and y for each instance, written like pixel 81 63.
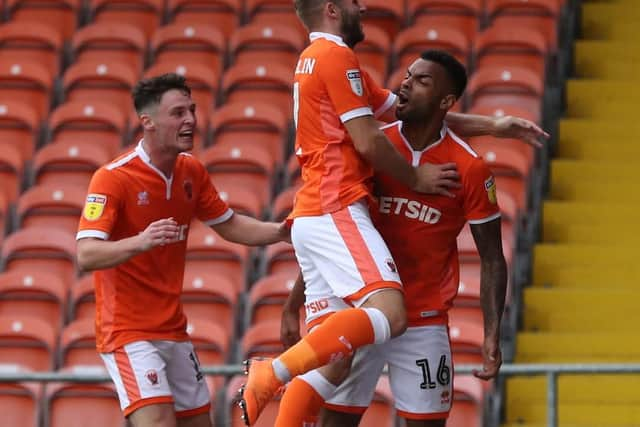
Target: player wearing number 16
pixel 133 234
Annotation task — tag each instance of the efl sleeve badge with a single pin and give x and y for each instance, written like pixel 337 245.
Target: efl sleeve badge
pixel 94 207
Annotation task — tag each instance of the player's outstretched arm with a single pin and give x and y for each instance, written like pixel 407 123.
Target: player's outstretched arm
pixel 97 254
pixel 252 232
pixel 290 322
pixel 468 125
pixel 493 290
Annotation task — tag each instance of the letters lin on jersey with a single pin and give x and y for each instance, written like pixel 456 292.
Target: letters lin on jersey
pixel 355 81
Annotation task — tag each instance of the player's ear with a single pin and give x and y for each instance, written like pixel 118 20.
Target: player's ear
pixel 331 9
pixel 447 102
pixel 147 122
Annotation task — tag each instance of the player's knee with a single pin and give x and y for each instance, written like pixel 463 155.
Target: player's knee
pixel 391 304
pixel 336 372
pixel 153 416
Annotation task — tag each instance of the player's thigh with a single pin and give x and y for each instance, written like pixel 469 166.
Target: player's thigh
pixel 157 415
pixel 190 392
pixel 332 418
pixel 420 372
pixel 202 420
pixel 138 370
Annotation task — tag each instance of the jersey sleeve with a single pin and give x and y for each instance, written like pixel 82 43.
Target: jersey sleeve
pixel 380 99
pixel 341 75
pixel 211 209
pixel 102 205
pixel 481 202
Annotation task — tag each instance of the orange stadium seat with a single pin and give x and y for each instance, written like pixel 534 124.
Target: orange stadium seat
pixel 386 15
pixel 20 404
pixel 283 204
pixel 109 43
pixel 508 208
pixel 241 164
pixel 29 82
pixel 262 340
pixel 69 163
pixel 82 300
pixel 89 122
pixel 293 171
pixel 78 344
pixel 501 45
pixel 19 128
pixel 201 78
pixel 274 12
pixel 506 86
pixel 28 342
pixel 258 122
pixel 463 15
pixel 502 110
pixel 411 42
pixel 41 249
pixel 466 341
pixel 267 417
pixel 280 258
pixel 11 167
pixel 540 15
pixel 72 404
pixel 144 14
pixel 61 15
pixel 53 206
pixel 203 44
pixel 208 252
pixel 210 296
pixel 266 43
pixel 240 198
pixel 108 82
pixel 248 82
pixel 35 42
pixel 381 411
pixel 268 295
pixel 35 294
pixel 221 14
pixel 373 52
pixel 467 251
pixel 468 394
pixel 211 343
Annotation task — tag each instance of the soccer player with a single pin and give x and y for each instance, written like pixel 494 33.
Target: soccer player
pixel 421 232
pixel 133 234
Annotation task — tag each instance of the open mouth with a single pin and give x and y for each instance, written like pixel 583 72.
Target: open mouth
pixel 402 99
pixel 186 134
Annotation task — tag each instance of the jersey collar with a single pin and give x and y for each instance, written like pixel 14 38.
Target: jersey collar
pixel 147 161
pixel 443 134
pixel 328 36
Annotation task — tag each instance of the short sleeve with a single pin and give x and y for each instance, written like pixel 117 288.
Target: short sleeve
pixel 211 209
pixel 341 75
pixel 102 205
pixel 380 99
pixel 481 202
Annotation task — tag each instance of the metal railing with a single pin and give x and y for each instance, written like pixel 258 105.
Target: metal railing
pixel 551 371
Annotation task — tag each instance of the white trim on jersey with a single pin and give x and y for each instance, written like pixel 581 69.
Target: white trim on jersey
pixel 331 37
pixel 358 112
pixel 219 220
pixel 147 160
pixel 122 161
pixel 485 220
pixel 463 144
pixel 391 99
pixel 84 234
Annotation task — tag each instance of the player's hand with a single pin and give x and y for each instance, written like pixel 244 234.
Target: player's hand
pixel 437 179
pixel 491 360
pixel 289 327
pixel 519 128
pixel 284 231
pixel 158 233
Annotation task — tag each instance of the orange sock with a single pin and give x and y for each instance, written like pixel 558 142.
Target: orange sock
pixel 339 336
pixel 300 405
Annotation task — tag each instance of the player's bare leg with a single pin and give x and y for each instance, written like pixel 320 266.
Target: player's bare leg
pixel 201 420
pixel 426 423
pixel 158 415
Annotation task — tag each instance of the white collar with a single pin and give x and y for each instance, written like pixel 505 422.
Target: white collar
pixel 328 36
pixel 144 156
pixel 443 133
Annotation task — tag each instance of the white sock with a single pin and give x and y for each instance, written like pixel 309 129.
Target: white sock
pixel 281 371
pixel 319 383
pixel 380 324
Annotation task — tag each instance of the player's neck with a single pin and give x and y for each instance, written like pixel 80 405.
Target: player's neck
pixel 159 158
pixel 420 135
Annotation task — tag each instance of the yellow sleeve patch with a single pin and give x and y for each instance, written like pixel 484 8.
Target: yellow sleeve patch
pixel 94 206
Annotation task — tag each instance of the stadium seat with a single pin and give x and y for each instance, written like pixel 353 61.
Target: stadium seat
pixel 11 168
pixel 28 342
pixel 248 82
pixel 68 163
pixel 108 82
pixel 262 340
pixel 72 404
pixel 280 258
pixel 35 42
pixel 501 45
pixel 221 14
pixel 506 86
pixel 20 404
pixel 468 394
pixel 468 253
pixel 266 43
pixel 144 14
pixel 274 12
pixel 41 249
pixel 466 341
pixel 242 164
pixel 82 300
pixel 203 44
pixel 201 78
pixel 283 204
pixel 501 111
pixel 293 171
pixel 61 15
pixel 19 128
pixel 35 294
pixel 233 413
pixel 210 296
pixel 211 343
pixel 29 82
pixel 78 344
pixel 386 15
pixel 256 122
pixel 110 43
pixel 267 296
pixel 374 51
pixel 208 252
pixel 462 15
pixel 240 198
pixel 410 43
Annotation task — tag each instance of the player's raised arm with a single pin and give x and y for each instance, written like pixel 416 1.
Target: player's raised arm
pixel 468 125
pixel 250 231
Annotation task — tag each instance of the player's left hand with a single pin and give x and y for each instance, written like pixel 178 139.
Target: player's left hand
pixel 284 231
pixel 519 128
pixel 491 360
